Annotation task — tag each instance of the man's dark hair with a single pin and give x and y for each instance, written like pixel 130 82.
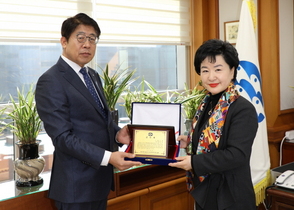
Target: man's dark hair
pixel 214 47
pixel 70 24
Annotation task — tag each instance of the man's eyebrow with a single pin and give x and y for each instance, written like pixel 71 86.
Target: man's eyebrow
pixel 81 32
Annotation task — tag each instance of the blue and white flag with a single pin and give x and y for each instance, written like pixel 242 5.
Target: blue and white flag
pixel 249 86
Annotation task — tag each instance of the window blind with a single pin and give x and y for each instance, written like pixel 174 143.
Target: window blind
pixel 37 19
pixel 144 21
pixel 121 21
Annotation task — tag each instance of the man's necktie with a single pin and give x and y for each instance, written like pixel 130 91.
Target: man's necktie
pixel 92 90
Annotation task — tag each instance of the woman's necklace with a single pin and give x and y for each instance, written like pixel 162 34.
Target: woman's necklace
pixel 213 102
pixel 211 108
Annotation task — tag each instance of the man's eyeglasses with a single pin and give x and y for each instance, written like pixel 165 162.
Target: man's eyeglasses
pixel 82 38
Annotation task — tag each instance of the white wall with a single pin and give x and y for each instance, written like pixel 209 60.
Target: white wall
pixel 286 54
pixel 229 10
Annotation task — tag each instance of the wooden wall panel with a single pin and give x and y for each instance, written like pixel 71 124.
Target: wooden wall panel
pixel 205 25
pixel 278 122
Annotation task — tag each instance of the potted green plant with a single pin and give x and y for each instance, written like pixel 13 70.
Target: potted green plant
pixel 25 125
pixel 190 99
pixel 114 84
pixel 141 95
pixel 2 110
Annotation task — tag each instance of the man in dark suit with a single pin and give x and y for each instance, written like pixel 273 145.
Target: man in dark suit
pixel 79 123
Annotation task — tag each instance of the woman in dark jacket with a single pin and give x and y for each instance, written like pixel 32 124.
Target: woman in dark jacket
pixel 219 145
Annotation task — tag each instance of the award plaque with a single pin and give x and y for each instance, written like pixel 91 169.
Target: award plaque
pixel 150 142
pixel 153 144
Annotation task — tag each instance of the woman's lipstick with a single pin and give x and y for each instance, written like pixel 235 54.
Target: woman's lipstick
pixel 213 85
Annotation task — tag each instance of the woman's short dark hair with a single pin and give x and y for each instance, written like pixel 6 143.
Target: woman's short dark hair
pixel 70 24
pixel 214 47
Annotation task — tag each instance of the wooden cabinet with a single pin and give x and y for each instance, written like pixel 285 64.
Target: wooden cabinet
pixel 125 204
pixel 144 188
pixel 280 198
pixel 145 177
pixel 287 152
pixel 165 196
pixel 151 188
pixel 35 201
pixel 170 195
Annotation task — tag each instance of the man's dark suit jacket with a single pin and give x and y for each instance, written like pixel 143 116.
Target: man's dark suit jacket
pixel 230 163
pixel 79 133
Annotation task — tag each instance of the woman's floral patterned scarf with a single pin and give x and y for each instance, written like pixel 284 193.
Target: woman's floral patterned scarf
pixel 212 131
